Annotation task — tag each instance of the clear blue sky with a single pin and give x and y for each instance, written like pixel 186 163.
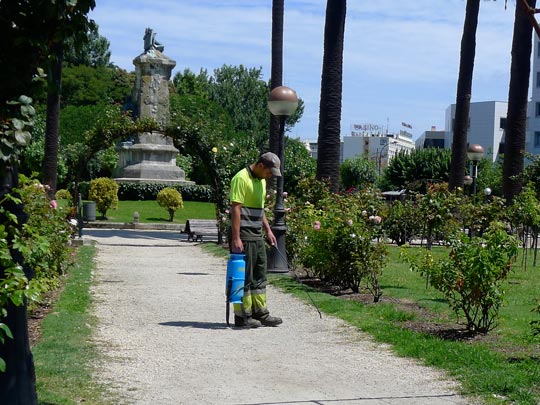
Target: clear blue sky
pixel 401 57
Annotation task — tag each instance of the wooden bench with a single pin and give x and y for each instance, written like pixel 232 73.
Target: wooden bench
pixel 197 228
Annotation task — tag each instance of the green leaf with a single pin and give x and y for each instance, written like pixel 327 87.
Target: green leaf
pixel 17 298
pixel 23 137
pixel 18 124
pixel 2 365
pixel 28 110
pixel 6 330
pixel 25 99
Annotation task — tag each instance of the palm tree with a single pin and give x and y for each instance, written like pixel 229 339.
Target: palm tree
pixel 331 92
pixel 276 78
pixel 61 20
pixel 463 97
pixel 514 145
pixel 50 160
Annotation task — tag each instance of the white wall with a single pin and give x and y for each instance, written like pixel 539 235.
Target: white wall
pixel 484 128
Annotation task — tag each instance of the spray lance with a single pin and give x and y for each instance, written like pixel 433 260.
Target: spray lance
pixel 298 280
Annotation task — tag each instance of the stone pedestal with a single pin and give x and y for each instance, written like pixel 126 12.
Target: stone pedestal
pixel 150 159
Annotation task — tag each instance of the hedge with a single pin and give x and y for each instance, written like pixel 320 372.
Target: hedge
pixel 149 191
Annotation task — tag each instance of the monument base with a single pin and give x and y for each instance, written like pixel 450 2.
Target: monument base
pixel 151 159
pixel 169 182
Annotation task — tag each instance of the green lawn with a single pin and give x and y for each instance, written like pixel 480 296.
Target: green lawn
pixel 64 356
pixel 502 367
pixel 151 212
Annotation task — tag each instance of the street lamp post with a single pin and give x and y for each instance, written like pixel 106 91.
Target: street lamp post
pixel 467 181
pixel 379 160
pixel 475 154
pixel 282 102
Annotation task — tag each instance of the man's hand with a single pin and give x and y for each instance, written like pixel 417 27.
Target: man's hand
pixel 271 238
pixel 236 245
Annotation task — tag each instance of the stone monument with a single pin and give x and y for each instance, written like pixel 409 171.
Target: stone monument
pixel 151 156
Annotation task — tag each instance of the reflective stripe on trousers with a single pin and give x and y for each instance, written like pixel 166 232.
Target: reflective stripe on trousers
pixel 254 300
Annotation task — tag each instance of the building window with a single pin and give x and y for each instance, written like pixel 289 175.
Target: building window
pixel 538 50
pixel 536 139
pixel 537 110
pixel 537 79
pixel 502 123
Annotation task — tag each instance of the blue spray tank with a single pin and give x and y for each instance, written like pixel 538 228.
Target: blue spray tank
pixel 234 284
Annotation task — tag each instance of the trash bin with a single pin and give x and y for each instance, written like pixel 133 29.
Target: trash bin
pixel 89 211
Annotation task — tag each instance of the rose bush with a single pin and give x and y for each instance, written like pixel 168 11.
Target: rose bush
pixel 336 237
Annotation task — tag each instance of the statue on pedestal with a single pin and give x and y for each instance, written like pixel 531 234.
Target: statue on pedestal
pixel 151 158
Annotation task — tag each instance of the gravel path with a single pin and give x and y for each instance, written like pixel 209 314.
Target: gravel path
pixel 161 328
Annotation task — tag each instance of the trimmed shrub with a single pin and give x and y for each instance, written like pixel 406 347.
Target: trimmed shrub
pixel 104 192
pixel 63 194
pixel 171 199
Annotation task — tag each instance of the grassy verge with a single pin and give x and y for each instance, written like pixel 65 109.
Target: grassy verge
pixel 502 367
pixel 64 355
pixel 151 212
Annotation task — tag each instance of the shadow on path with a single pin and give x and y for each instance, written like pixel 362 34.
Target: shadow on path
pixel 407 398
pixel 134 234
pixel 194 324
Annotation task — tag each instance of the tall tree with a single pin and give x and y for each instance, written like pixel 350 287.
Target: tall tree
pixel 52 121
pixel 331 93
pixel 94 52
pixel 241 92
pixel 19 54
pixel 514 145
pixel 276 78
pixel 18 63
pixel 61 20
pixel 463 97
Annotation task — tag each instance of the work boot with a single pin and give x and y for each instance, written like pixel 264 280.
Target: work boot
pixel 247 323
pixel 268 320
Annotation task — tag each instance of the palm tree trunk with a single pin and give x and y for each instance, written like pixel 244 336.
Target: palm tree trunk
pixel 514 145
pixel 331 93
pixel 50 160
pixel 463 97
pixel 276 78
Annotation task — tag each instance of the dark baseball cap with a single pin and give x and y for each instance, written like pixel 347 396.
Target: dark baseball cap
pixel 271 161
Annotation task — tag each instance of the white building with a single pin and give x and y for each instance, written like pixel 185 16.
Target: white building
pixel 487 122
pixel 532 144
pixel 379 147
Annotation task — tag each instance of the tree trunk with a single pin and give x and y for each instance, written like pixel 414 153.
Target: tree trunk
pixel 276 78
pixel 514 145
pixel 331 93
pixel 50 160
pixel 18 382
pixel 463 97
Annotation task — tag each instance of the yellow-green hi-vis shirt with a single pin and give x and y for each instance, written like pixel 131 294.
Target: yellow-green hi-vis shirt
pixel 250 192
